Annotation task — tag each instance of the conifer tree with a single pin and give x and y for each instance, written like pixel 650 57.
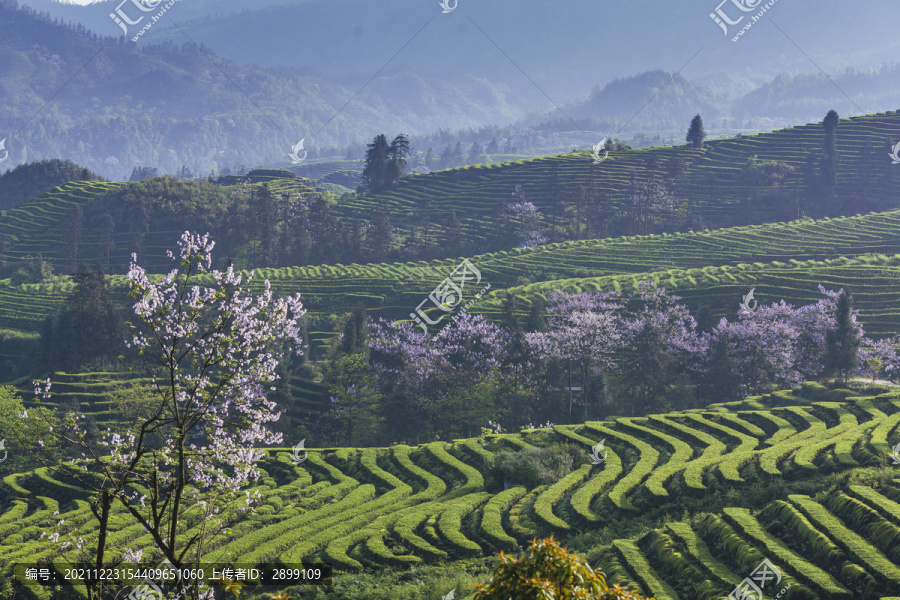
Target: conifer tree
pixel 842 343
pixel 829 166
pixel 377 157
pixel 355 338
pixel 696 134
pixel 397 153
pixel 474 152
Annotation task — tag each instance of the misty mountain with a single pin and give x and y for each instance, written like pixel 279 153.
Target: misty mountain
pixel 167 102
pixel 543 52
pixel 110 105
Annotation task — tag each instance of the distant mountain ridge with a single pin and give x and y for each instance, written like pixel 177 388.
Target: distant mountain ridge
pixel 115 106
pixel 173 105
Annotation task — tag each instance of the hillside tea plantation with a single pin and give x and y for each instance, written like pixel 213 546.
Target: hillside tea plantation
pixel 668 509
pixel 434 301
pixel 392 289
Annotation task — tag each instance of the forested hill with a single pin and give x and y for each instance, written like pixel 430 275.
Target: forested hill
pixel 170 105
pixel 284 220
pixel 751 179
pixel 33 179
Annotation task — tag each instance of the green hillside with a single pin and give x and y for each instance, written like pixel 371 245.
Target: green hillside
pixel 91 392
pixel 711 186
pixel 395 289
pixel 677 508
pixel 870 278
pixel 27 181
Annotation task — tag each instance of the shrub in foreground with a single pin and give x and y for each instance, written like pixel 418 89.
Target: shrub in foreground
pixel 549 571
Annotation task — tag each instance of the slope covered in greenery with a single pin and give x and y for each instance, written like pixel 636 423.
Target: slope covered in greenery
pixel 174 105
pixel 727 183
pixel 27 181
pixel 688 482
pixel 713 268
pixel 710 184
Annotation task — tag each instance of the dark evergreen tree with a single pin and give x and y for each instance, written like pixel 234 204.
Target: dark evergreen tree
pixel 4 247
pixel 446 160
pixel 302 238
pixel 648 368
pixel 396 164
pixel 140 223
pixel 842 343
pixel 380 237
pixel 457 154
pixel 453 234
pixel 375 170
pixel 265 212
pixel 705 322
pixel 87 329
pixel 474 152
pixel 696 134
pixel 355 331
pixel 109 244
pixel 537 315
pixel 829 152
pixel 722 380
pixel 493 147
pixel 285 215
pixel 327 243
pixel 356 243
pixel 422 222
pixel 502 237
pixel 74 223
pixel 141 173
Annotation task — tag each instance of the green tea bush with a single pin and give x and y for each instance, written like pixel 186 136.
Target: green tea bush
pixel 532 467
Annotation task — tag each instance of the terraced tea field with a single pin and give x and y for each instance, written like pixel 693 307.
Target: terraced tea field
pixel 90 392
pixel 872 279
pixel 438 502
pixel 711 187
pixel 712 178
pixel 394 289
pixel 41 227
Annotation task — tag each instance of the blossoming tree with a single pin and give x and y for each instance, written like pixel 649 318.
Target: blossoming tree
pixel 207 355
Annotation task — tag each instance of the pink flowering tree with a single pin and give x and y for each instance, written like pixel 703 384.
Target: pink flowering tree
pixel 207 354
pixel 584 331
pixel 441 384
pixel 527 219
pixel 660 343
